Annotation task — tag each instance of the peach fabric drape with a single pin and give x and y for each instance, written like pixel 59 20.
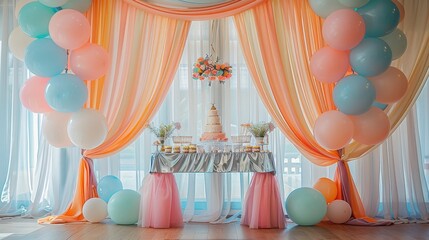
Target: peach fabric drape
pixel 278 39
pixel 221 10
pixel 145 51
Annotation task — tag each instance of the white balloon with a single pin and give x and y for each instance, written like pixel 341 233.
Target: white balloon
pixel 20 4
pixel 54 129
pixel 94 210
pixel 339 211
pixel 18 42
pixel 53 3
pixel 87 128
pixel 353 3
pixel 325 7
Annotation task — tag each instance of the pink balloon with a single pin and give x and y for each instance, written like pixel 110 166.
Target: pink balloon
pixel 333 130
pixel 32 95
pixel 69 29
pixel 54 128
pixel 343 29
pixel 390 86
pixel 371 127
pixel 89 62
pixel 329 65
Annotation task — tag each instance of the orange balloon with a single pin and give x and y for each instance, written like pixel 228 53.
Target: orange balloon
pixel 327 187
pixel 371 127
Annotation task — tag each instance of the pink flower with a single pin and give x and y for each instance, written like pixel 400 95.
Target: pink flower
pixel 201 78
pixel 177 125
pixel 271 126
pixel 212 78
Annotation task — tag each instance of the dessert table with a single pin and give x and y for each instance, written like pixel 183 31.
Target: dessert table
pixel 160 205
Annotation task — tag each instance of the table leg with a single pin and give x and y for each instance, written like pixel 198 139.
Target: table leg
pixel 262 205
pixel 160 202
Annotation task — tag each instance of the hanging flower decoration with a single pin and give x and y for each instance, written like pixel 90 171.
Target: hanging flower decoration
pixel 205 68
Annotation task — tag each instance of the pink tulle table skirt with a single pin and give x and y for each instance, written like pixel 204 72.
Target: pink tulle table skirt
pixel 262 205
pixel 160 202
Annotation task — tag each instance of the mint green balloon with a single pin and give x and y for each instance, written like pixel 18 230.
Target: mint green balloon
pixel 306 206
pixel 34 19
pixel 124 207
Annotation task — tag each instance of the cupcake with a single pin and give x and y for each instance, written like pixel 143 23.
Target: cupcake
pixel 256 148
pixel 248 149
pixel 185 149
pixel 167 149
pixel 192 149
pixel 176 149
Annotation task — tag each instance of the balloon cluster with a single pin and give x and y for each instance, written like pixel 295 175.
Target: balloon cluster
pixel 361 35
pixel 121 205
pixel 53 40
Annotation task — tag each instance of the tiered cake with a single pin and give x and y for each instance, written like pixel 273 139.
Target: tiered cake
pixel 213 127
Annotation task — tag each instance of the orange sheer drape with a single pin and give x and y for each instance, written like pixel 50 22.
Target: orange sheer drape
pixel 278 39
pixel 145 51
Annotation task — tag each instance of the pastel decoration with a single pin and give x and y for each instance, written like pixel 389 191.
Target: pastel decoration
pixel 123 207
pixel 353 3
pixel 44 58
pixel 343 29
pixel 94 210
pixel 20 4
pixel 87 129
pixel 397 42
pixel 354 95
pixel 53 3
pixel 107 186
pixel 333 130
pixel 401 9
pixel 327 188
pixel 371 127
pixel 390 86
pixel 69 29
pixel 339 211
pixel 371 57
pixel 89 62
pixel 381 17
pixel 54 129
pixel 329 65
pixel 18 43
pixel 306 206
pixel 34 19
pixel 79 5
pixel 32 95
pixel 381 106
pixel 66 93
pixel 325 7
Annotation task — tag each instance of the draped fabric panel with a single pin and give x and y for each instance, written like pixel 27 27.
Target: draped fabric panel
pixel 292 96
pixel 144 58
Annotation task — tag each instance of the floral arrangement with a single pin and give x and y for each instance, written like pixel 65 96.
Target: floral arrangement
pixel 164 130
pixel 260 129
pixel 205 68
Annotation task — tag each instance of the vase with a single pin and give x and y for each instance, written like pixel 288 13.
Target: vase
pixel 259 140
pixel 161 141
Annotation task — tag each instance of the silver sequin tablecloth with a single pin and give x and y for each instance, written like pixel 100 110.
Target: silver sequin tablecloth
pixel 212 162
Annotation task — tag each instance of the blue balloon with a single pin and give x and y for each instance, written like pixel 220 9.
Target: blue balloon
pixel 371 57
pixel 34 17
pixel 108 186
pixel 124 207
pixel 306 206
pixel 44 58
pixel 354 95
pixel 79 5
pixel 382 106
pixel 66 93
pixel 381 17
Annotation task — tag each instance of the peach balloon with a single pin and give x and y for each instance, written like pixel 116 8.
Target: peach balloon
pixel 371 127
pixel 329 65
pixel 69 29
pixel 343 29
pixel 333 130
pixel 89 62
pixel 339 211
pixel 32 95
pixel 401 9
pixel 327 187
pixel 390 86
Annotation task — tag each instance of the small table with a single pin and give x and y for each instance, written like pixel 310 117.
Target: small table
pixel 160 205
